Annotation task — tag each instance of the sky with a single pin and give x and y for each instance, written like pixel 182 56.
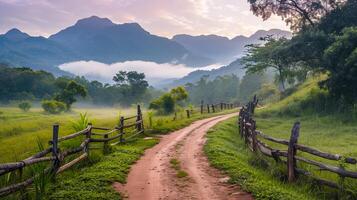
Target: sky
pixel 161 17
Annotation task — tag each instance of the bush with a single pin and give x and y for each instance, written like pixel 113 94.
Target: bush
pixel 25 106
pixel 53 107
pixel 165 104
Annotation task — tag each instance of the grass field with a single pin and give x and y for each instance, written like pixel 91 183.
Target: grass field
pixel 322 127
pixel 91 178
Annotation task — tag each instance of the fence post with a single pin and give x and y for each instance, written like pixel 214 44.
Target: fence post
pixel 254 135
pixel 221 106
pixel 291 164
pixel 202 107
pixel 55 150
pixel 188 113
pixel 121 129
pixel 138 118
pixel 208 108
pixel 88 136
pixel 105 145
pixel 213 110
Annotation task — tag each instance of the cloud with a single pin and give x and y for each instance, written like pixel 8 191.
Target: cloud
pixel 161 17
pixel 154 72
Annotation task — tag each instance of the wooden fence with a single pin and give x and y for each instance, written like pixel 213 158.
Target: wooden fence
pixel 56 156
pixel 253 139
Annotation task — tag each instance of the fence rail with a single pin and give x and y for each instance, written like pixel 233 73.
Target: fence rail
pixel 57 157
pixel 253 139
pixel 91 134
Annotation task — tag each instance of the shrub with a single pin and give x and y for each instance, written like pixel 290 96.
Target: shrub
pixel 53 107
pixel 25 106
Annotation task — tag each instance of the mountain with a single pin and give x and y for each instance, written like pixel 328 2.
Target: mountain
pixel 21 49
pixel 102 40
pixel 222 49
pixel 93 38
pixel 233 68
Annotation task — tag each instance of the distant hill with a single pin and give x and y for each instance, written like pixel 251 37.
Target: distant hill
pixel 101 40
pixel 222 49
pixel 20 49
pixel 233 68
pixel 93 38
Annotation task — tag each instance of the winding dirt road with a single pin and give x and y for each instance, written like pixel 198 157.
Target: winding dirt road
pixel 160 173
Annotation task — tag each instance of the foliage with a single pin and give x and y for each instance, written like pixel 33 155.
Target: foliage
pixel 222 88
pixel 53 107
pixel 81 123
pixel 298 14
pixel 25 106
pixel 27 84
pixel 132 84
pixel 167 102
pixel 226 151
pixel 273 54
pixel 69 93
pixel 341 61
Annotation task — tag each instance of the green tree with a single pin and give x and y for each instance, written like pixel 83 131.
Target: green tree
pixel 132 84
pixel 340 59
pixel 25 106
pixel 299 14
pixel 272 54
pixel 70 92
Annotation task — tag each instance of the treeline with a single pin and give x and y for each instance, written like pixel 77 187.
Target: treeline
pixel 228 88
pixel 324 44
pixel 18 84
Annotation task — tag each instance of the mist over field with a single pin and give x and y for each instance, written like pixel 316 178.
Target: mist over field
pixel 154 72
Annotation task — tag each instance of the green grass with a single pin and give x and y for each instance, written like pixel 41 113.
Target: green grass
pixel 227 152
pixel 95 181
pixel 91 178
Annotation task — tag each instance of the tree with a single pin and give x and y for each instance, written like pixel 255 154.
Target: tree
pixel 299 14
pixel 272 54
pixel 179 93
pixel 340 59
pixel 70 92
pixel 132 84
pixel 25 106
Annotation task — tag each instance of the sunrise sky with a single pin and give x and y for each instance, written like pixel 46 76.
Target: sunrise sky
pixel 161 17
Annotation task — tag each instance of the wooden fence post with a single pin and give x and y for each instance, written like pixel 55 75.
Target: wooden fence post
pixel 213 110
pixel 88 136
pixel 221 106
pixel 208 108
pixel 291 162
pixel 188 113
pixel 55 150
pixel 254 135
pixel 202 107
pixel 105 145
pixel 121 129
pixel 138 118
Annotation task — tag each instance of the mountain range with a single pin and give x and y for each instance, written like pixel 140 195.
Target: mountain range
pixel 222 49
pixel 101 40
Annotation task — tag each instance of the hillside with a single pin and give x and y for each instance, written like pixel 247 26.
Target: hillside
pixel 233 68
pixel 96 39
pixel 222 49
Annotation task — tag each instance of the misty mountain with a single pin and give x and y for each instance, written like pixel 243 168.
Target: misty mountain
pixel 93 38
pixel 20 49
pixel 233 68
pixel 222 49
pixel 102 40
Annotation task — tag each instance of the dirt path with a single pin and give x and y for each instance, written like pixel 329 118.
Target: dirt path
pixel 177 169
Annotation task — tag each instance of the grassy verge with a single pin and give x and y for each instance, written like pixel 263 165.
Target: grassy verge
pixel 227 152
pixel 91 178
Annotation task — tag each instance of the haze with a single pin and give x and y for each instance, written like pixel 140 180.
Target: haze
pixel 162 17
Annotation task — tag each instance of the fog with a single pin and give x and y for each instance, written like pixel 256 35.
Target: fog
pixel 155 73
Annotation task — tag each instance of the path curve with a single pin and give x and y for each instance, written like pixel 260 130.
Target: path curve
pixel 153 177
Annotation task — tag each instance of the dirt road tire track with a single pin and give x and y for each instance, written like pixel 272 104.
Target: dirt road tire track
pixel 154 178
